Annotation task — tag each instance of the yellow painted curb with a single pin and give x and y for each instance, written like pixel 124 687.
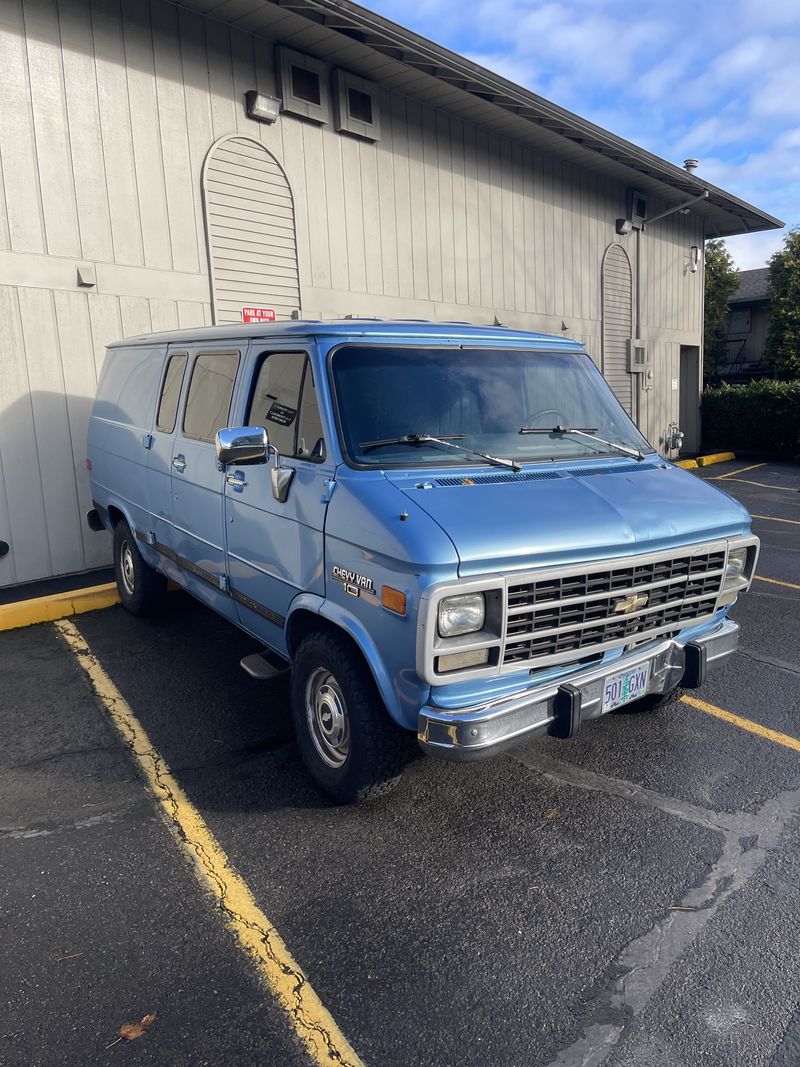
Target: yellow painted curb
pixel 57 606
pixel 687 464
pixel 715 457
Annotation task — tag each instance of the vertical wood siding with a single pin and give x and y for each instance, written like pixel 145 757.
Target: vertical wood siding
pixel 109 108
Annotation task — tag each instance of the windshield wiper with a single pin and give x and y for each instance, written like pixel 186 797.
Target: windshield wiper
pixel 586 431
pixel 426 438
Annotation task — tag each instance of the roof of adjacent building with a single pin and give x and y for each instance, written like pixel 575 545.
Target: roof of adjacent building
pixel 753 285
pixel 350 36
pixel 344 329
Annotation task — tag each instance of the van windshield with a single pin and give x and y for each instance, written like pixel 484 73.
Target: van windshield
pixel 389 400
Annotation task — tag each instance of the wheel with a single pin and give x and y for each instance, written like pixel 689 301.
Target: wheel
pixel 141 589
pixel 350 746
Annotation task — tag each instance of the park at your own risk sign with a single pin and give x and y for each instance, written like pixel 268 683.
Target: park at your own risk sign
pixel 258 314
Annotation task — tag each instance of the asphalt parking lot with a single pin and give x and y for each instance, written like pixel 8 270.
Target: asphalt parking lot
pixel 630 897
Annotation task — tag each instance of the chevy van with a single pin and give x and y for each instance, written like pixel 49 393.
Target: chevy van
pixel 438 528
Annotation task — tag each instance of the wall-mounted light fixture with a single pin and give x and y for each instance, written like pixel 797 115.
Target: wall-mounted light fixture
pixel 691 264
pixel 624 227
pixel 262 108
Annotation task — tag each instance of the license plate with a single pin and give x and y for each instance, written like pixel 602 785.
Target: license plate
pixel 619 689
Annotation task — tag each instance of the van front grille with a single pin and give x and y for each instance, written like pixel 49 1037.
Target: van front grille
pixel 558 614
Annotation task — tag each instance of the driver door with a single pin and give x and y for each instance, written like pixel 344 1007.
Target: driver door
pixel 276 549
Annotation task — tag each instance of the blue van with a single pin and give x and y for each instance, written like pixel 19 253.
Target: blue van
pixel 438 528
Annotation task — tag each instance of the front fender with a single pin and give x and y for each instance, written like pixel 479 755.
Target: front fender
pixel 402 691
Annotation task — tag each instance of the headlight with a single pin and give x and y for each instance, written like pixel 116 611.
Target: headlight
pixel 737 561
pixel 463 614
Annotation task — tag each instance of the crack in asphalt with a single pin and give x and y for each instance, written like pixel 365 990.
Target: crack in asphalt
pixel 781 664
pixel 24 832
pixel 144 752
pixel 640 968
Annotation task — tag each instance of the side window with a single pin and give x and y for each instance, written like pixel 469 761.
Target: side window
pixel 284 401
pixel 171 392
pixel 210 390
pixel 310 442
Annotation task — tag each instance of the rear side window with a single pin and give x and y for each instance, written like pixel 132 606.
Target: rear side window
pixel 210 390
pixel 171 392
pixel 285 402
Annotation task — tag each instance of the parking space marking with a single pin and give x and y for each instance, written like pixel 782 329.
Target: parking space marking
pixel 775 518
pixel 309 1018
pixel 744 724
pixel 741 470
pixel 746 481
pixel 776 581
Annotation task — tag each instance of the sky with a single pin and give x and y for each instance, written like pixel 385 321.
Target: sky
pixel 716 80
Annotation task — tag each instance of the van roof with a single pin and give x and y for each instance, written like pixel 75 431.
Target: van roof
pixel 405 329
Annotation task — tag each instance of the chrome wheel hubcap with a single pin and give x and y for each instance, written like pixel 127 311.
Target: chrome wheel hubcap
pixel 126 567
pixel 326 714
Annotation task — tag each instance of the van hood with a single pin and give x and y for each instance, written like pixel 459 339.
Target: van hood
pixel 500 521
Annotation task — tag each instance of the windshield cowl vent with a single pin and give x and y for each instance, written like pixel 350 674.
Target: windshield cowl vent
pixel 546 476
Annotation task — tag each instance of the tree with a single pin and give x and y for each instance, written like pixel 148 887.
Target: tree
pixel 782 348
pixel 721 282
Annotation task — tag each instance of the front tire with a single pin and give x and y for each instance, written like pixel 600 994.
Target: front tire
pixel 141 589
pixel 350 746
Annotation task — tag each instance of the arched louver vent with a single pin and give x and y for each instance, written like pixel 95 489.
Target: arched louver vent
pixel 617 324
pixel 250 229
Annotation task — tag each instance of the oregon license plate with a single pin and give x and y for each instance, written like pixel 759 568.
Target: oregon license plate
pixel 619 689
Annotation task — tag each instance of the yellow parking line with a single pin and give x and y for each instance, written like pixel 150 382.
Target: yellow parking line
pixel 775 581
pixel 775 518
pixel 312 1022
pixel 762 485
pixel 744 724
pixel 741 470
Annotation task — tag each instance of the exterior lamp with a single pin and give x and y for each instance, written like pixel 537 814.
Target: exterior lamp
pixel 690 266
pixel 262 108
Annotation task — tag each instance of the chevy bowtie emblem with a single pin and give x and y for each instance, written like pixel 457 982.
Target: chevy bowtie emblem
pixel 631 603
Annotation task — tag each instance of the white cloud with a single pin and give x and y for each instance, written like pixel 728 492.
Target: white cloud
pixel 754 249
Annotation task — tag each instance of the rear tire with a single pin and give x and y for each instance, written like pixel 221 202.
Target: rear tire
pixel 350 746
pixel 141 589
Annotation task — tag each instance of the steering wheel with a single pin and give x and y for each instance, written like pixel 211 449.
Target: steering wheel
pixel 561 419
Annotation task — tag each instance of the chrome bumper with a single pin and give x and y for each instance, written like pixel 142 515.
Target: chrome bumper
pixel 559 707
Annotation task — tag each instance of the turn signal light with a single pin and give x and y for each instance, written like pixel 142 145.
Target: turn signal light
pixel 461 660
pixel 393 600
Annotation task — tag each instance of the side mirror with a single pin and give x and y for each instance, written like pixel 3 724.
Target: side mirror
pixel 242 444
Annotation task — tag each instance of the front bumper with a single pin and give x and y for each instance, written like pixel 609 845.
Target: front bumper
pixel 559 707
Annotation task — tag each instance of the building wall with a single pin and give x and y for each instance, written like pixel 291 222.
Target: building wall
pixel 109 108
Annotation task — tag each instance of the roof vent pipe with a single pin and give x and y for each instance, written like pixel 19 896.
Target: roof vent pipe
pixel 690 165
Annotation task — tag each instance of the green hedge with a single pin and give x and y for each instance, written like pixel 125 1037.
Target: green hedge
pixel 761 417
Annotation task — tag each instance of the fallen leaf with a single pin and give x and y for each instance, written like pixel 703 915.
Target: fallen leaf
pixel 551 813
pixel 130 1031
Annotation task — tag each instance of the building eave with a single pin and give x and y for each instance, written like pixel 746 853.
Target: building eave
pixel 528 117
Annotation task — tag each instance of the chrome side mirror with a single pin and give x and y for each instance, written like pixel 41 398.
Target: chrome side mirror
pixel 242 444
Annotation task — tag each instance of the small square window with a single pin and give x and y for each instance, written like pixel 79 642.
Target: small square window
pixel 356 106
pixel 305 85
pixel 359 105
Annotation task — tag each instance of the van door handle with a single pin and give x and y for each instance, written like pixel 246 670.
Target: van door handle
pixel 179 463
pixel 235 481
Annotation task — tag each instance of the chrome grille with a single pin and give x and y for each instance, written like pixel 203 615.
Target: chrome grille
pixel 555 615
